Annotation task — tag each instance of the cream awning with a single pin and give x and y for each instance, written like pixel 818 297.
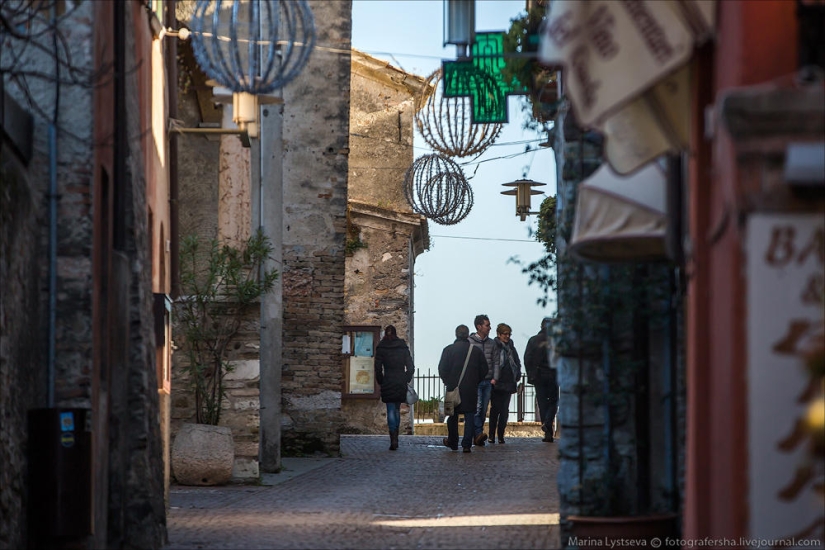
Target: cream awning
pixel 621 218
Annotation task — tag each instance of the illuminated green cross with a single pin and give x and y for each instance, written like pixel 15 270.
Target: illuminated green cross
pixel 480 78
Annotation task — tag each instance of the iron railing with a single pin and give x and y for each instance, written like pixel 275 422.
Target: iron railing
pixel 430 406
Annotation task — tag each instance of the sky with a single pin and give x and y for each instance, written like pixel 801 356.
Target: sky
pixel 467 269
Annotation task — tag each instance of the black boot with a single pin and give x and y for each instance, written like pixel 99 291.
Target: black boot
pixel 393 440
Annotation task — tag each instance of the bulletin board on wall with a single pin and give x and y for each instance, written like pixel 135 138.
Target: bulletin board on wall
pixel 358 347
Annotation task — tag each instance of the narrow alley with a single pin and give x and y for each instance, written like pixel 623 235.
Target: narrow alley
pixel 422 496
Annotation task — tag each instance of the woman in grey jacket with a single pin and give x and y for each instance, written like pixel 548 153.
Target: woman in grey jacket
pixel 506 376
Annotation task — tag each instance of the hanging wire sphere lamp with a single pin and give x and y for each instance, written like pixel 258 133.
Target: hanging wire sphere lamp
pixel 252 46
pixel 436 187
pixel 446 124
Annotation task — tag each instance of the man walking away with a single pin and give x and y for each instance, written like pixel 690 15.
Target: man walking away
pixel 481 339
pixel 450 366
pixel 541 372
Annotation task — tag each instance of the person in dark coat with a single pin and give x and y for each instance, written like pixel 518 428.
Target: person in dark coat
pixel 393 370
pixel 506 376
pixel 449 369
pixel 540 364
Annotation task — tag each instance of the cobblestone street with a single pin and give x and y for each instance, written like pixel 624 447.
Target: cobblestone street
pixel 421 496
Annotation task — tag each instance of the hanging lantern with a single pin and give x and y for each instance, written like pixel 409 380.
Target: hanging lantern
pixel 253 46
pixel 446 124
pixel 435 187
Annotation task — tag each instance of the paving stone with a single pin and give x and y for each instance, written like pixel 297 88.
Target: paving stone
pixel 421 496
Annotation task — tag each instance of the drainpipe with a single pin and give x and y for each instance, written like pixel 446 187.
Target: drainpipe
pixel 52 135
pixel 171 52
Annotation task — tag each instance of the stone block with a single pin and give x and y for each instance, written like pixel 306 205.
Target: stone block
pixel 245 469
pixel 203 455
pixel 244 370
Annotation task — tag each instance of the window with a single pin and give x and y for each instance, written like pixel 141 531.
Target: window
pixel 358 346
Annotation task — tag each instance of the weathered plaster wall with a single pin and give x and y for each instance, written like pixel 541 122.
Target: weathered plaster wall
pixel 215 195
pixel 214 199
pixel 379 285
pixel 315 163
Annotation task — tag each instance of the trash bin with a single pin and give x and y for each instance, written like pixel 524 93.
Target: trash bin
pixel 60 473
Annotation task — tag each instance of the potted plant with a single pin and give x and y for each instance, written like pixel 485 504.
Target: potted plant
pixel 220 286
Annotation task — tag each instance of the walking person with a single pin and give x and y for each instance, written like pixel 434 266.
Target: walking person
pixel 455 358
pixel 541 372
pixel 505 381
pixel 481 339
pixel 393 371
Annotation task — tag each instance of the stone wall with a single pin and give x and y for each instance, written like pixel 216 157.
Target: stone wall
pixel 315 165
pixel 215 204
pixel 122 392
pixel 620 449
pixel 22 353
pixel 384 234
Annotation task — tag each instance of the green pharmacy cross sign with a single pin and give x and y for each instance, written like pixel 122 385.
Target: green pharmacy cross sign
pixel 480 78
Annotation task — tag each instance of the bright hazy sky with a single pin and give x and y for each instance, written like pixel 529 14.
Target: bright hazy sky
pixel 466 270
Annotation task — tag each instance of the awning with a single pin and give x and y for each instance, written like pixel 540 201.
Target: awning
pixel 621 218
pixel 614 51
pixel 626 70
pixel 655 123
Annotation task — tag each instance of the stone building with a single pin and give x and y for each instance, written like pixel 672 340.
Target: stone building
pixel 384 235
pixel 84 227
pixel 285 391
pixel 361 277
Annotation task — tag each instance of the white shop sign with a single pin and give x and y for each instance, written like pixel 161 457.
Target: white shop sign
pixel 785 275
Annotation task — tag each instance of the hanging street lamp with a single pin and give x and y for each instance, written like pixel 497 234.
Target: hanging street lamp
pixel 251 48
pixel 523 192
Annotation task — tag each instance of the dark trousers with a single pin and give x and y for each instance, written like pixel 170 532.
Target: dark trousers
pixel 499 413
pixel 547 394
pixel 452 430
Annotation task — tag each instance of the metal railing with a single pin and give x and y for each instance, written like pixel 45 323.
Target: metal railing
pixel 430 406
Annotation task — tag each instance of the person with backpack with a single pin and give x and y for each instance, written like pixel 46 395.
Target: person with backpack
pixel 541 372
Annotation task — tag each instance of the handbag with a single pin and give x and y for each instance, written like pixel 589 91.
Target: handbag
pixel 452 398
pixel 412 396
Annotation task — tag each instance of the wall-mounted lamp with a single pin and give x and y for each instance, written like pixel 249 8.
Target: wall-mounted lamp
pixel 523 192
pixel 245 110
pixel 460 25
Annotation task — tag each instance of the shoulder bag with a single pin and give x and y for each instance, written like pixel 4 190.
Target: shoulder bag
pixel 412 396
pixel 452 398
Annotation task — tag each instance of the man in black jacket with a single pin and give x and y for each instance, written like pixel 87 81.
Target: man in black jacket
pixel 542 374
pixel 452 362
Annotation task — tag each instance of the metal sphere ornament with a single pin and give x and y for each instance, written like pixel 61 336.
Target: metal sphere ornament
pixel 436 187
pixel 252 46
pixel 445 123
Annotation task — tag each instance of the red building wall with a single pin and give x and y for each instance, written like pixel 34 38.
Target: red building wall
pixel 755 42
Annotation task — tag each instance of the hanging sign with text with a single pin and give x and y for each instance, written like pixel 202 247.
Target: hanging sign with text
pixel 613 51
pixel 785 277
